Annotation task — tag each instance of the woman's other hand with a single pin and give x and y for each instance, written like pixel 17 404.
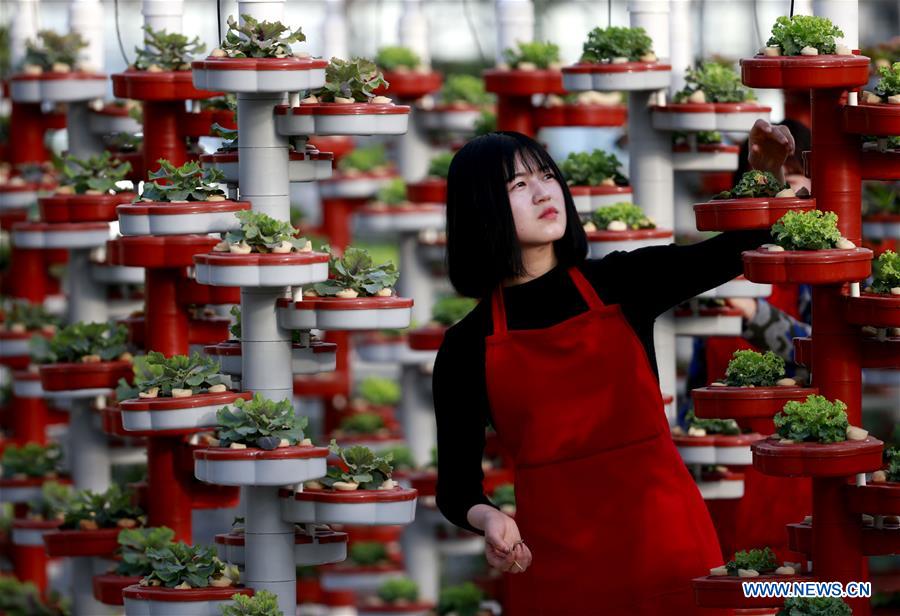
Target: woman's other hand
pixel 770 145
pixel 504 548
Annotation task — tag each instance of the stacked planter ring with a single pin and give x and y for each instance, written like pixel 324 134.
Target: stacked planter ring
pixel 308 166
pixel 744 214
pixel 160 601
pixel 603 242
pixel 589 198
pixel 718 321
pixel 316 547
pixel 456 117
pixel 716 449
pixel 112 119
pixel 515 89
pixel 708 157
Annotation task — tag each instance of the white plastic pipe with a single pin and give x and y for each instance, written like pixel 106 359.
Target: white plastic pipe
pixel 515 23
pixel 89 458
pixel 845 15
pixel 416 280
pixel 269 547
pixel 652 16
pixel 421 557
pixel 163 14
pixel 87 297
pixel 682 41
pixel 25 25
pixel 413 30
pixel 417 414
pixel 334 30
pixel 86 18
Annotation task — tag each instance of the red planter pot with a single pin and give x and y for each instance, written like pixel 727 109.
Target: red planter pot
pixel 338 146
pixel 874 498
pixel 842 459
pixel 580 115
pixel 18 362
pixel 102 542
pixel 875 542
pixel 326 385
pixel 108 588
pixel 389 609
pixel 742 214
pixel 508 82
pixel 601 235
pixel 68 376
pixel 164 86
pixel 745 403
pixel 158 593
pixel 868 119
pixel 200 124
pixel 410 85
pixel 873 309
pixel 171 251
pixel 815 267
pixel 600 191
pixel 883 166
pixel 805 72
pixel 426 338
pixel 429 190
pixel 171 209
pixel 878 354
pixel 61 208
pixel 191 292
pixel 728 592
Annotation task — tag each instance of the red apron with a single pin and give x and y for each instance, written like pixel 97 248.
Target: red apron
pixel 614 521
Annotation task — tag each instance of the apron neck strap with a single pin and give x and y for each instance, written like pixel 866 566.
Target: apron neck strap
pixel 498 310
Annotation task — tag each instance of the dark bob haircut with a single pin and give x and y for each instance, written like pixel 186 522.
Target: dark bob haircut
pixel 482 247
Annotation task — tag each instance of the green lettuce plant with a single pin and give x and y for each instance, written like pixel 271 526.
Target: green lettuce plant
pixel 486 123
pixel 362 423
pixel 197 373
pixel 167 51
pixel 760 560
pixel 353 80
pixel 368 553
pixel 450 310
pixel 31 460
pixel 133 546
pixel 881 198
pixel 719 84
pixel 504 495
pixel 814 420
pixel 886 272
pixel 255 39
pixel 364 159
pixel 754 184
pixel 394 57
pixel 748 368
pixel 89 510
pixel 814 606
pixel 24 599
pixel 52 51
pixel 728 427
pixel 229 137
pixel 379 391
pixel 189 182
pixel 356 273
pixel 606 44
pixel 630 214
pixel 439 166
pixel 94 175
pixel 592 169
pixel 261 233
pixel 892 460
pixel 23 316
pixel 468 89
pixel 792 34
pixel 261 423
pixel 84 342
pixel 812 230
pixel 537 54
pixel 399 589
pixel 462 600
pixel 52 502
pixel 262 603
pixel 392 193
pixel 364 468
pixel 889 84
pixel 179 565
pixel 402 458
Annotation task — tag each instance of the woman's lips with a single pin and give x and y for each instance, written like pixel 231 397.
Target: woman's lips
pixel 550 212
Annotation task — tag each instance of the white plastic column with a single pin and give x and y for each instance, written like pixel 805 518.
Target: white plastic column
pixel 265 347
pixel 415 279
pixel 652 16
pixel 421 557
pixel 82 142
pixel 88 456
pixel 682 41
pixel 515 22
pixel 417 414
pixel 269 546
pixel 87 297
pixel 413 150
pixel 262 172
pixel 845 15
pixel 86 18
pixel 413 30
pixel 334 30
pixel 25 25
pixel 163 14
pixel 84 568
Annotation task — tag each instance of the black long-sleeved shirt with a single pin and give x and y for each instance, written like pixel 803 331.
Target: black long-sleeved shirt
pixel 645 282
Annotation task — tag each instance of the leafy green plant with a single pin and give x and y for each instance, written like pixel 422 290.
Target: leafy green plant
pixel 792 34
pixel 31 460
pixel 167 51
pixel 92 510
pixel 229 137
pixel 262 603
pixel 362 423
pixel 364 159
pixel 504 495
pixel 533 55
pixel 892 460
pixel 605 44
pixel 752 368
pixel 24 599
pixel 94 175
pixel 486 123
pixel 814 606
pixel 398 589
pixel 227 102
pixel 719 84
pixel 180 564
pixel 255 39
pixel 392 193
pixel 462 600
pixel 815 420
pixel 886 272
pixel 401 457
pixel 754 184
pixel 83 342
pixel 712 426
pixel 463 88
pixel 889 84
pixel 628 213
pixel 704 137
pixel 813 230
pixel 52 51
pixel 353 80
pixel 189 182
pixel 439 166
pixel 368 553
pixel 22 315
pixel 450 310
pixel 393 57
pixel 196 373
pixel 52 502
pixel 881 198
pixel 592 169
pixel 261 233
pixel 133 546
pixel 379 391
pixel 759 560
pixel 364 468
pixel 355 273
pixel 260 422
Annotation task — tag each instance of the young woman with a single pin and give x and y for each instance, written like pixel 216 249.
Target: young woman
pixel 559 358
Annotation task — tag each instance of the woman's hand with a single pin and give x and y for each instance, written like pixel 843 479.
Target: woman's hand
pixel 770 145
pixel 504 548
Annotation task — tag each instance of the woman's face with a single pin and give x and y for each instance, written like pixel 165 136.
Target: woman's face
pixel 538 206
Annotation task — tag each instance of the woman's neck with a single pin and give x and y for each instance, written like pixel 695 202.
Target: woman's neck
pixel 537 260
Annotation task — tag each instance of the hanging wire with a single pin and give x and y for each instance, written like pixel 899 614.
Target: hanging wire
pixel 792 9
pixel 119 34
pixel 473 30
pixel 219 20
pixel 608 13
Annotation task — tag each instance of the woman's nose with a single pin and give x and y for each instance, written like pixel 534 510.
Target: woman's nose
pixel 540 194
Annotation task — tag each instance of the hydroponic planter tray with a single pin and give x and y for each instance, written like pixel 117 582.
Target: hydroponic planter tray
pixel 739 287
pixel 62 208
pixel 815 267
pixel 354 186
pixel 334 313
pixel 326 547
pixel 251 75
pixel 875 542
pixel 454 118
pixel 30 533
pixel 842 459
pixel 190 292
pixel 628 76
pixel 57 87
pixel 158 601
pixel 694 117
pixel 874 498
pixel 25 490
pixel 112 119
pixel 361 579
pixel 163 86
pixel 306 166
pixel 71 375
pixel 721 485
pixel 706 157
pixel 407 218
pixel 374 442
pixel 15 347
pixel 318 357
pixel 258 467
pixel 108 588
pixel 417 608
pixel 884 166
pixel 394 351
pixel 589 198
pixel 721 591
pixel 27 384
pixel 199 124
pixel 342 119
pixel 361 507
pixel 602 243
pixel 197 217
pixel 882 120
pixel 745 214
pixel 876 354
pixel 429 190
pixel 881 226
pixel 580 115
pixel 516 82
pixel 199 411
pixel 410 85
pixel 722 321
pixel 64 235
pixel 105 273
pixel 261 270
pixel 17 197
pixel 102 542
pixel 873 309
pixel 426 338
pixel 728 450
pixel 805 72
pixel 746 403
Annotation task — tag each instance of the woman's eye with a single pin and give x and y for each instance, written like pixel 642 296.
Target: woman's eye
pixel 549 176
